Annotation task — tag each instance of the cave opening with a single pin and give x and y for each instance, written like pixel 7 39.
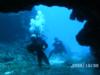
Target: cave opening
pixel 54 22
pixel 57 23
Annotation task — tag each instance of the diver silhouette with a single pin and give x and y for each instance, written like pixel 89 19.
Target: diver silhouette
pixel 59 48
pixel 38 45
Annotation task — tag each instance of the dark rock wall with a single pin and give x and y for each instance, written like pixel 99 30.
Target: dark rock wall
pixel 11 27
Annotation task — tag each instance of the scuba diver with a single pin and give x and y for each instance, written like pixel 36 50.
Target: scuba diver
pixel 38 45
pixel 59 48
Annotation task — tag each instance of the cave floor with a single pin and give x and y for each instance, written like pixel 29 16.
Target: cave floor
pixel 24 68
pixel 23 65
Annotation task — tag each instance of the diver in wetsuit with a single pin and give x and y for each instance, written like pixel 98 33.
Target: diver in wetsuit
pixel 59 48
pixel 38 45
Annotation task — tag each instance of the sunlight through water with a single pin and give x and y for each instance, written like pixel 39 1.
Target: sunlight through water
pixel 55 22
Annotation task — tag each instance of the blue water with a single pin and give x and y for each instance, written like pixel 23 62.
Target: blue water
pixel 58 24
pixel 53 22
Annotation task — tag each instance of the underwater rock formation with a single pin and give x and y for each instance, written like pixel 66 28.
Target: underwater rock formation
pixel 14 26
pixel 11 27
pixel 6 59
pixel 89 36
pixel 82 10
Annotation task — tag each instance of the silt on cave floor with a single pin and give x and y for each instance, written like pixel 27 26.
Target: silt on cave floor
pixel 23 64
pixel 30 69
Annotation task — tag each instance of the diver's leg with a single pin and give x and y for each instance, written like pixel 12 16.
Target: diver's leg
pixel 39 59
pixel 45 58
pixel 51 53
